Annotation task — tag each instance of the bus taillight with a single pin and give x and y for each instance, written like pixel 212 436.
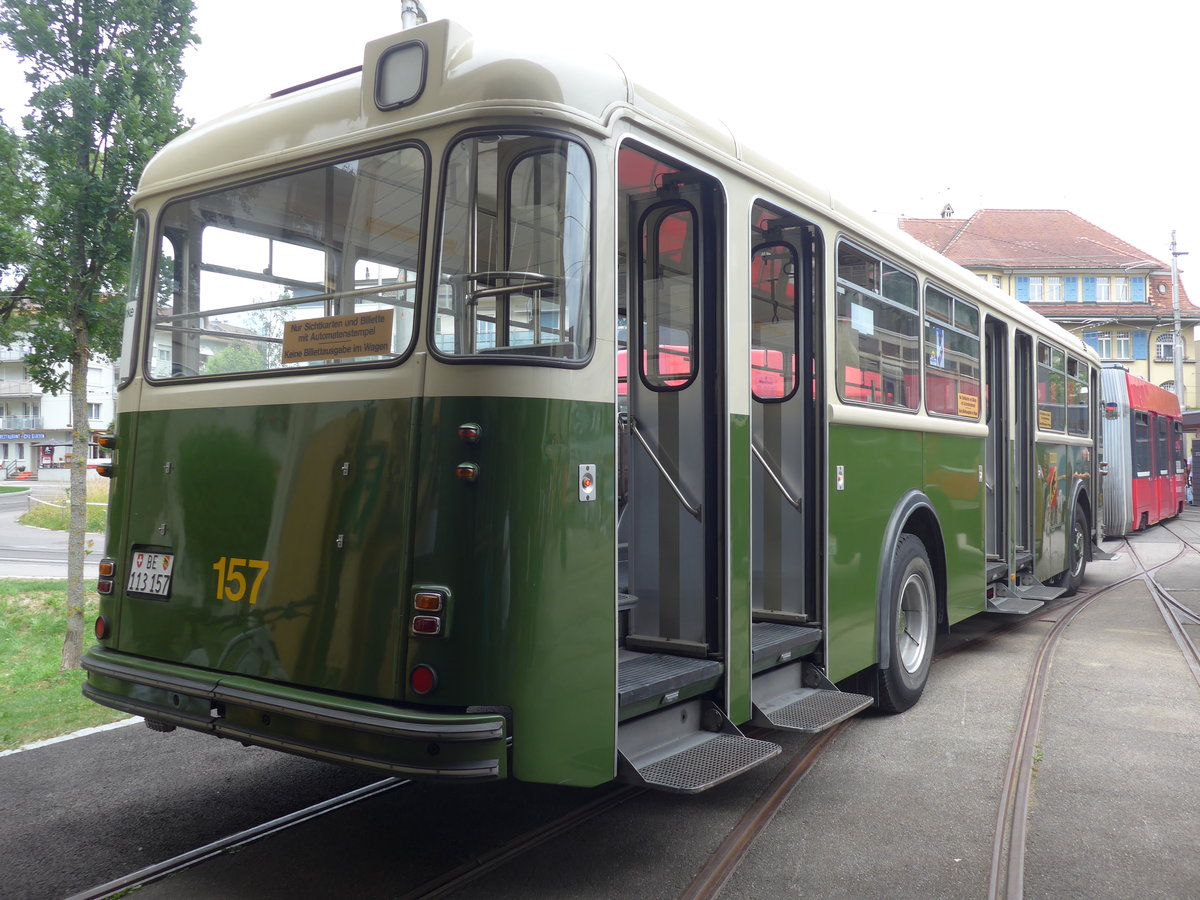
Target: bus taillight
pixel 104 584
pixel 423 679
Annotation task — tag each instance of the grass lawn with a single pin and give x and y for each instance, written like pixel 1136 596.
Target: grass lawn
pixel 37 700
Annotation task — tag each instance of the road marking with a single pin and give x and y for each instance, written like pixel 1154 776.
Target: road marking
pixel 84 732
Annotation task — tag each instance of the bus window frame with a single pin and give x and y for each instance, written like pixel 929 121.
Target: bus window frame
pixel 350 155
pixel 434 259
pixel 1038 365
pixel 916 311
pixel 757 207
pixel 953 326
pixel 135 294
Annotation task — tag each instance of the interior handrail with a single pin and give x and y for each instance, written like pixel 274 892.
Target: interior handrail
pixel 795 501
pixel 693 508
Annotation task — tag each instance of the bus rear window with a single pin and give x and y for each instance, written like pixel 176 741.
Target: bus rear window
pixel 306 271
pixel 514 276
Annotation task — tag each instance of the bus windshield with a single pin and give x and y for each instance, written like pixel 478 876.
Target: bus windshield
pixel 301 272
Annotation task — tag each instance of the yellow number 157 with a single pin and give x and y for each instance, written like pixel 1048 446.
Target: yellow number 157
pixel 231 580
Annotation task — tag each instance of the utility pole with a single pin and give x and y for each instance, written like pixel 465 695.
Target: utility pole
pixel 1177 348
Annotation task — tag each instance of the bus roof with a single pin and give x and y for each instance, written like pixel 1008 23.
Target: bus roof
pixel 467 77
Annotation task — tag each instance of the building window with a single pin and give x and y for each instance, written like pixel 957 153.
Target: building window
pixel 1054 289
pixel 1168 386
pixel 1102 292
pixel 1123 346
pixel 1104 344
pixel 1036 294
pixel 1120 290
pixel 93 411
pixel 1164 347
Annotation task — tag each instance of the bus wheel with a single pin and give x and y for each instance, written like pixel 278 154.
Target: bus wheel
pixel 1077 553
pixel 912 614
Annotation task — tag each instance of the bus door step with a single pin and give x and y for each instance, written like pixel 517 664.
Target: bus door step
pixel 798 697
pixel 686 749
pixel 996 570
pixel 648 681
pixel 775 643
pixel 1020 599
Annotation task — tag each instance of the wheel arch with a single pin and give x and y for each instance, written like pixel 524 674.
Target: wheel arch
pixel 915 515
pixel 1083 500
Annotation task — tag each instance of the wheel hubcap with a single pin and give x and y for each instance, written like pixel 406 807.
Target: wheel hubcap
pixel 912 626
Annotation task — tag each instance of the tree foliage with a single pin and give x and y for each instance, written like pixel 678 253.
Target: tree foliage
pixel 103 76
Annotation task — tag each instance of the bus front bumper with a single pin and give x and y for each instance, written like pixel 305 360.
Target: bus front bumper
pixel 366 734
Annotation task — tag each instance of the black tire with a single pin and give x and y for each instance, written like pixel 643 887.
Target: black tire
pixel 912 619
pixel 1078 551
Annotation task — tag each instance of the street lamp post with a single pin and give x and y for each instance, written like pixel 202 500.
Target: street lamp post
pixel 1177 341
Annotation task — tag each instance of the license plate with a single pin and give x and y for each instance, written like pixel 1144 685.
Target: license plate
pixel 150 573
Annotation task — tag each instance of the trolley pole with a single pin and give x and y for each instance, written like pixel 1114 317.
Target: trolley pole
pixel 412 14
pixel 1177 348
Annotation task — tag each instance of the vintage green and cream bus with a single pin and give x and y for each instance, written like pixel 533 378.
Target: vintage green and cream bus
pixel 483 415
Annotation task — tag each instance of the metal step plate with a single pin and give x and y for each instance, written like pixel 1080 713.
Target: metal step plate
pixel 1015 606
pixel 716 758
pixel 774 642
pixel 810 710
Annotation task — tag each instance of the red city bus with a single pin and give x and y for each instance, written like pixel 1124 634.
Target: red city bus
pixel 1144 482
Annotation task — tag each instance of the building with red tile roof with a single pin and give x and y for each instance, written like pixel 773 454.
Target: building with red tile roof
pixel 1115 296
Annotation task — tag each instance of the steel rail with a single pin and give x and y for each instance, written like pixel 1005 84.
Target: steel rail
pixel 725 860
pixel 1173 612
pixel 1013 813
pixel 453 880
pixel 160 870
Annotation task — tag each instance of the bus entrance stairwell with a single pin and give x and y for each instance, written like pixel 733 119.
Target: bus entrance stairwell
pixel 789 688
pixel 674 733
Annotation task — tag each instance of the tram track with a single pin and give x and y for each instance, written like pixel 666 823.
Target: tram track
pixel 1006 878
pixel 176 864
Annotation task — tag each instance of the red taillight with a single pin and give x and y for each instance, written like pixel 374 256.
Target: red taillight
pixel 467 471
pixel 423 679
pixel 101 628
pixel 426 624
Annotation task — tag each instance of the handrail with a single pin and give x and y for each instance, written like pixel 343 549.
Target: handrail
pixel 693 508
pixel 795 501
pixel 291 301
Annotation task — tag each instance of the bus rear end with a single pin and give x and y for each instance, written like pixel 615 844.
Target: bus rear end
pixel 351 515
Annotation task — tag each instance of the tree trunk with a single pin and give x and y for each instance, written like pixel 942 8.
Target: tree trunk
pixel 81 432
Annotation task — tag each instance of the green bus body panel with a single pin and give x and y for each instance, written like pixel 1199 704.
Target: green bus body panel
pixel 528 568
pixel 283 485
pixel 531 572
pixel 1058 467
pixel 880 467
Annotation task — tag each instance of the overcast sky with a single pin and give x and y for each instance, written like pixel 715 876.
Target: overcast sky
pixel 900 108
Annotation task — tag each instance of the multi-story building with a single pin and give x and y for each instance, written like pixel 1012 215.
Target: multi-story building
pixel 35 427
pixel 1117 298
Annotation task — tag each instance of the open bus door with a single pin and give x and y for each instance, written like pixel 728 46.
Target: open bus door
pixel 674 731
pixel 1012 586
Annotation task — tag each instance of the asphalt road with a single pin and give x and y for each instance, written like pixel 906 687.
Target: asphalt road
pixel 37 552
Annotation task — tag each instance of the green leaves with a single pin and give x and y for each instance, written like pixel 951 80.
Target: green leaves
pixel 104 75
